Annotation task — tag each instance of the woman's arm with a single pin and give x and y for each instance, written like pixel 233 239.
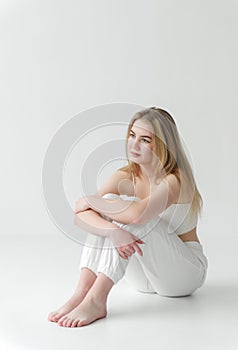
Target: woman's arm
pixel 130 212
pixel 124 211
pixel 94 223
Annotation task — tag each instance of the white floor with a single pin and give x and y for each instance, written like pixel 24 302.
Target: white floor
pixel 38 274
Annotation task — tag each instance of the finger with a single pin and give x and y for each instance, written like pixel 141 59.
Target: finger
pixel 137 248
pixel 130 249
pixel 122 254
pixel 140 241
pixel 127 252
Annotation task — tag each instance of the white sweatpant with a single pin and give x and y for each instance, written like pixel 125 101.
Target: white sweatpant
pixel 169 266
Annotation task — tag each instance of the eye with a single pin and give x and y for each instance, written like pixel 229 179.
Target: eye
pixel 146 141
pixel 132 135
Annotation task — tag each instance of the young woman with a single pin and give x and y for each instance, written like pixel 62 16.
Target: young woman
pixel 142 224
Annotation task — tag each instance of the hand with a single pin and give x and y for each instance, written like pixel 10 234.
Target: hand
pixel 126 243
pixel 130 249
pixel 81 205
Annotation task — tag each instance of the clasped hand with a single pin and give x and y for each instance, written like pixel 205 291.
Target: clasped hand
pixel 126 243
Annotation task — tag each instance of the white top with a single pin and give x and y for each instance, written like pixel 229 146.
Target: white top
pixel 179 219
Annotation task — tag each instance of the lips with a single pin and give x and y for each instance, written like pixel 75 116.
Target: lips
pixel 134 154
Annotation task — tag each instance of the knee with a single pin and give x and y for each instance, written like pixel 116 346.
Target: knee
pixel 110 195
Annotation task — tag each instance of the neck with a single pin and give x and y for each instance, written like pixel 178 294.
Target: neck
pixel 147 173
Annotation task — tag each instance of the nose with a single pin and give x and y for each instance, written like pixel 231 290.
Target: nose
pixel 136 145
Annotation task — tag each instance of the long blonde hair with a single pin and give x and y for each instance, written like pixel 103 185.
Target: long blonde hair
pixel 167 147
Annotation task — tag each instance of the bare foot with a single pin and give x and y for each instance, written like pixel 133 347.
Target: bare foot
pixel 74 301
pixel 85 313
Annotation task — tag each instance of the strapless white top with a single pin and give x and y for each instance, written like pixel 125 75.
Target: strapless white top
pixel 179 218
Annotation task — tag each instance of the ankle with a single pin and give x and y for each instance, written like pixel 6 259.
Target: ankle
pixel 82 290
pixel 97 299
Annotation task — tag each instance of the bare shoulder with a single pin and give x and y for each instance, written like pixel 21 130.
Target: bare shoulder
pixel 172 179
pixel 113 183
pixel 174 187
pixel 122 175
pixel 178 193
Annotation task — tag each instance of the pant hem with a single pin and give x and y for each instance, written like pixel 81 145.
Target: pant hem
pixel 110 274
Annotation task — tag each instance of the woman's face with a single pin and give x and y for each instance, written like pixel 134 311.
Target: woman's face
pixel 140 142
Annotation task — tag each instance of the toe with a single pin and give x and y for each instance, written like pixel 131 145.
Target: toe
pixel 78 324
pixel 61 320
pixel 65 322
pixel 51 316
pixel 68 323
pixel 57 317
pixel 81 323
pixel 74 323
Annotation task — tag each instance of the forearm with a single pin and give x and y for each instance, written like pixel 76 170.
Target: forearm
pixel 94 223
pixel 124 211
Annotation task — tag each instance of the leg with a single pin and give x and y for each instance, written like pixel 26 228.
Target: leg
pixel 109 269
pixel 93 307
pixel 171 267
pixel 98 255
pixel 136 277
pixel 89 262
pixel 87 278
pixel 168 267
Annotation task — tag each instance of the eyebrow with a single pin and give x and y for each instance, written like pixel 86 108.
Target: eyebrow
pixel 142 135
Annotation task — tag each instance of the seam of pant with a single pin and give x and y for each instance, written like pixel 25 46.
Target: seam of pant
pixel 204 276
pixel 112 272
pixel 184 258
pixel 89 266
pixel 115 277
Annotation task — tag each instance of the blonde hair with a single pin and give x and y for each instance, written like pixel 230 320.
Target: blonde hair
pixel 167 147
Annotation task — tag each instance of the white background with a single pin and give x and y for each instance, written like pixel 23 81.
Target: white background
pixel 59 58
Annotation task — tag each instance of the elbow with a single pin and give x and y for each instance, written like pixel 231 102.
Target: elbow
pixel 77 220
pixel 80 220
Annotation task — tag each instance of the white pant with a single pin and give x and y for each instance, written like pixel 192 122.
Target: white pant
pixel 169 266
